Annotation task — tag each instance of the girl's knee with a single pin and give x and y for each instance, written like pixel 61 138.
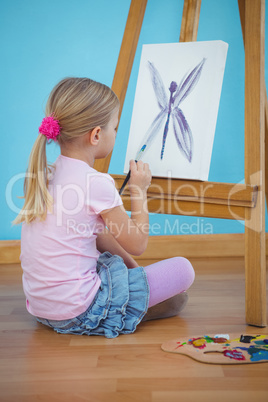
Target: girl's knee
pixel 185 268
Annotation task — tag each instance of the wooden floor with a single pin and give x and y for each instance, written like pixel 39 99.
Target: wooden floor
pixel 37 364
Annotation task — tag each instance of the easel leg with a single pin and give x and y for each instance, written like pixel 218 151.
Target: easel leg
pixel 124 63
pixel 255 255
pixel 190 20
pixel 266 148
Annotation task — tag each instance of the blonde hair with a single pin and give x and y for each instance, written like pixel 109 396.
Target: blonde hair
pixel 80 105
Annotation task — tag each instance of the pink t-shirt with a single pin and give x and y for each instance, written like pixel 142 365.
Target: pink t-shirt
pixel 59 255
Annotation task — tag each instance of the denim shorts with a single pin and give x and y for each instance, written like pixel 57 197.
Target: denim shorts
pixel 119 305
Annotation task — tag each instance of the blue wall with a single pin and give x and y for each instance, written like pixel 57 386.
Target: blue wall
pixel 44 41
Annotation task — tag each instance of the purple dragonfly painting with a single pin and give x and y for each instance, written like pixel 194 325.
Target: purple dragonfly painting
pixel 170 107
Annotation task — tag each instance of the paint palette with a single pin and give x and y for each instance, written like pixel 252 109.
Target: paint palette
pixel 222 348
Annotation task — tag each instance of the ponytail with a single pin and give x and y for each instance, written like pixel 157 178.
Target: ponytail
pixel 37 197
pixel 75 107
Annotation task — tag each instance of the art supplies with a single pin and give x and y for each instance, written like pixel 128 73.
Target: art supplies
pixel 221 348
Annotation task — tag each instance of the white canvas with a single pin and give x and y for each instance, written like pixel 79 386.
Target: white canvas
pixel 196 69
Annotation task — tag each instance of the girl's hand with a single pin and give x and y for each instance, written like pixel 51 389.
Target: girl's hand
pixel 132 233
pixel 140 177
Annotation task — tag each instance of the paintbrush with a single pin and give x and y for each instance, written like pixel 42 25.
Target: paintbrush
pixel 138 157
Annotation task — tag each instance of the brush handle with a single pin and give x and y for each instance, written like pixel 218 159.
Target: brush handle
pixel 125 181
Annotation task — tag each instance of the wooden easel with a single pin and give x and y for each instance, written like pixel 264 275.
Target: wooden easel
pixel 218 200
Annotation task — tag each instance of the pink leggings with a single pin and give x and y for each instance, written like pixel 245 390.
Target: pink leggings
pixel 169 277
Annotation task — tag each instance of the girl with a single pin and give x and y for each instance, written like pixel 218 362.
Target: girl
pixel 77 238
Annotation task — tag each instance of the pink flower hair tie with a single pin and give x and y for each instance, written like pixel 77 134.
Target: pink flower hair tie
pixel 50 127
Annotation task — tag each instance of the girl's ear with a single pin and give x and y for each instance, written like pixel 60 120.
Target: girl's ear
pixel 94 136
